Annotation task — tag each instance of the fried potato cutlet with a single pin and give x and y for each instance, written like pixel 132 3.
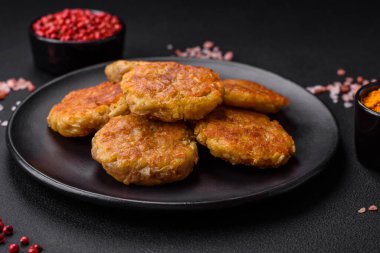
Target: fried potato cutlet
pixel 135 150
pixel 245 137
pixel 251 95
pixel 117 69
pixel 83 111
pixel 169 91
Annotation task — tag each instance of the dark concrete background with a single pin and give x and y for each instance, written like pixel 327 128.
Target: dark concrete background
pixel 305 43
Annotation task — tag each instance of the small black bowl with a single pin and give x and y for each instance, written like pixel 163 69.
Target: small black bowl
pixel 59 57
pixel 367 129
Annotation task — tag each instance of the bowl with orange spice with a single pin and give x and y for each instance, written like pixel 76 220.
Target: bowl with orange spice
pixel 367 125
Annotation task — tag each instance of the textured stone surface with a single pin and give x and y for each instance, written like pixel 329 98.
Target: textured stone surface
pixel 306 45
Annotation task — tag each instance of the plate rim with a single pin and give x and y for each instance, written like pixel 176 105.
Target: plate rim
pixel 146 204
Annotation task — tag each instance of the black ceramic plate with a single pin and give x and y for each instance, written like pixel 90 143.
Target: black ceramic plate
pixel 66 164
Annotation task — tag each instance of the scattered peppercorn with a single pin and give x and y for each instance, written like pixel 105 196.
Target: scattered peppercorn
pixel 362 210
pixel 37 247
pixel 32 250
pixel 24 240
pixel 14 248
pixel 8 230
pixel 2 239
pixel 1 225
pixel 77 25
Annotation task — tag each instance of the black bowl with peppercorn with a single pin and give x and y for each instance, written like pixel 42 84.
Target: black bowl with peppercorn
pixel 75 38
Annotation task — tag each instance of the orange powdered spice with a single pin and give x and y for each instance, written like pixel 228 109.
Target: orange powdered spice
pixel 372 100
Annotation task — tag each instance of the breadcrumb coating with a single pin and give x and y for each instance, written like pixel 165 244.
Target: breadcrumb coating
pixel 245 137
pixel 170 92
pixel 115 70
pixel 251 95
pixel 83 111
pixel 136 150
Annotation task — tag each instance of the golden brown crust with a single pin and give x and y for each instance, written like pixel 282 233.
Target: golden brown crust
pixel 82 111
pixel 245 137
pixel 135 150
pixel 117 69
pixel 251 95
pixel 170 91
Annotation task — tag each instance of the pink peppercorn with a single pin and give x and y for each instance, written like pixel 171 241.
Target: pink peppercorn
pixel 1 225
pixel 77 25
pixel 2 239
pixel 24 240
pixel 8 230
pixel 33 250
pixel 14 248
pixel 37 247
